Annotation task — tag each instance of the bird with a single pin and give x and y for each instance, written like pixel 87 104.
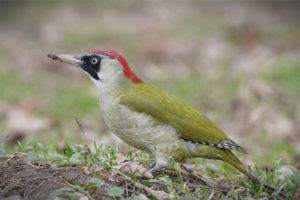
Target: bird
pixel 148 118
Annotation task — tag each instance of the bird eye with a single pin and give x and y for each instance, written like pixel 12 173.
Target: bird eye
pixel 93 60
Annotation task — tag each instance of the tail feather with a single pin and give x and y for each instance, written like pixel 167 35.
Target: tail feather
pixel 230 158
pixel 230 145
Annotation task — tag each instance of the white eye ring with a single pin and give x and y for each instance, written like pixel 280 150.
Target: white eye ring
pixel 93 60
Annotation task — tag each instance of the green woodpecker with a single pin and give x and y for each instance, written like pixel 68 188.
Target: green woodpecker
pixel 150 119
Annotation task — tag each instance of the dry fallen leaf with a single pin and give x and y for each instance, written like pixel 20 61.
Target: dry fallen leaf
pixel 159 194
pixel 85 170
pixel 125 165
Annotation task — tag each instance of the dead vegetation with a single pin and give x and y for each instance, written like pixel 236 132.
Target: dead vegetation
pixel 21 179
pixel 237 62
pixel 33 180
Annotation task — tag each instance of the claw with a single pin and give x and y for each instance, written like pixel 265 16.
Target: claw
pixel 161 162
pixel 153 171
pixel 156 170
pixel 152 165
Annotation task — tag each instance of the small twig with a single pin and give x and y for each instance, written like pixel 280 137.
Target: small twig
pixel 279 192
pixel 126 188
pixel 28 193
pixel 145 188
pixel 204 179
pixel 37 195
pixel 37 167
pixel 4 138
pixel 10 157
pixel 79 125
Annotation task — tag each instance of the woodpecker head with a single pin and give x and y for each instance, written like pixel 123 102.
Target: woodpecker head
pixel 101 66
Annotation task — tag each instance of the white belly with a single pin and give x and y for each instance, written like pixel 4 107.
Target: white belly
pixel 137 129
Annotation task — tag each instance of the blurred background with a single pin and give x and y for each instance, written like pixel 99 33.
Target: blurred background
pixel 237 62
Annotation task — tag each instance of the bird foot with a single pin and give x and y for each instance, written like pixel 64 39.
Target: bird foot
pixel 160 163
pixel 156 170
pixel 152 165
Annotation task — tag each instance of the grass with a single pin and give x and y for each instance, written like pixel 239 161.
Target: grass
pixel 285 75
pixel 59 99
pixel 75 99
pixel 14 89
pixel 105 157
pixel 221 89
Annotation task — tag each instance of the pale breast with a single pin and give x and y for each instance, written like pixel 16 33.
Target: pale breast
pixel 137 129
pixel 142 131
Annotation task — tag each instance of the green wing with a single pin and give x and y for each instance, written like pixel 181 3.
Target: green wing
pixel 189 123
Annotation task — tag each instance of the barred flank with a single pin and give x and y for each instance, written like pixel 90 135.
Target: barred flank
pixel 224 144
pixel 230 145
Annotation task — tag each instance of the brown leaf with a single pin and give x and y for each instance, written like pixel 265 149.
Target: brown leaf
pixel 127 166
pixel 159 194
pixel 85 170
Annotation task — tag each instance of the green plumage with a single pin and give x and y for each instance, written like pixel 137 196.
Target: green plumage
pixel 190 124
pixel 150 119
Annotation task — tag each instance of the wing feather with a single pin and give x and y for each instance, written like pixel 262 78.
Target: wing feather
pixel 189 123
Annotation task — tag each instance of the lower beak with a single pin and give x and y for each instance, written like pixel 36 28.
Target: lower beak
pixel 65 58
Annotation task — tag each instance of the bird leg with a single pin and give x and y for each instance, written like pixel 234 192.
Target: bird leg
pixel 160 163
pixel 163 163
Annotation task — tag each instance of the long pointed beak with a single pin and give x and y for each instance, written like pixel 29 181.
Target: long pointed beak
pixel 65 58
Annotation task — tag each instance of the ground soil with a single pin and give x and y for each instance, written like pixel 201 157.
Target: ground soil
pixel 21 179
pixel 34 180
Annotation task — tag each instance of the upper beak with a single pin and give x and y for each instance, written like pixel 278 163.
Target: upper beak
pixel 65 58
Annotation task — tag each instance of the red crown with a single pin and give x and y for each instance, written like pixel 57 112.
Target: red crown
pixel 127 70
